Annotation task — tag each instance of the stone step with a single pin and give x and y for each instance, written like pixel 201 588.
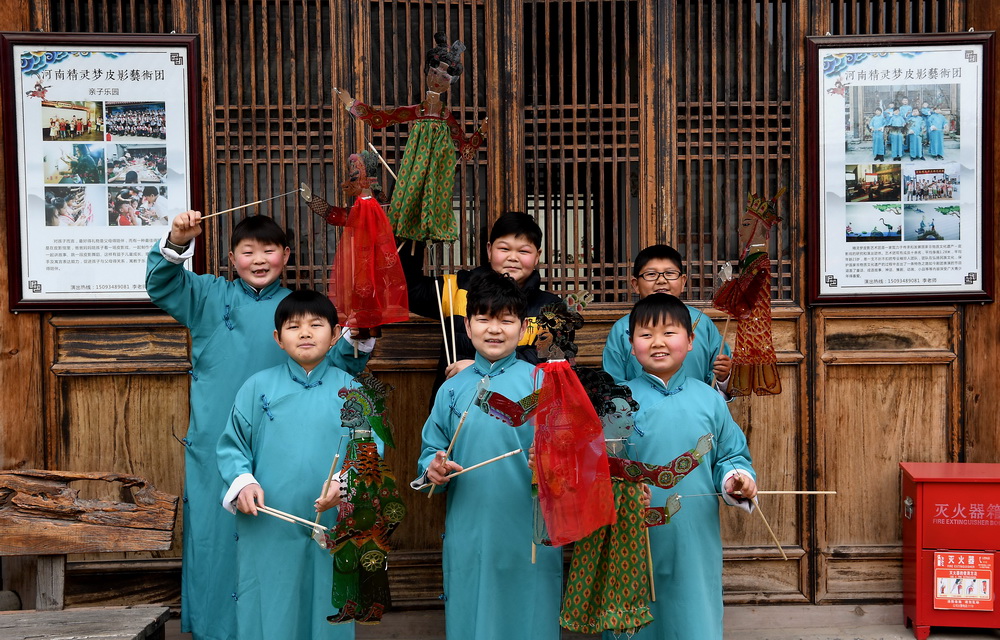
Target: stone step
pixel 785 622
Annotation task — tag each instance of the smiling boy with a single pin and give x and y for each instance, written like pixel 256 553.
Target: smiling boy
pixel 660 269
pixel 230 324
pixel 491 587
pixel 514 249
pixel 686 552
pixel 279 439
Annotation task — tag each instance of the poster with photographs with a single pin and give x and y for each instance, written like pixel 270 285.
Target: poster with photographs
pixel 901 187
pixel 105 143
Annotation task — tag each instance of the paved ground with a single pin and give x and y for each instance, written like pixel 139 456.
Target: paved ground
pixel 878 622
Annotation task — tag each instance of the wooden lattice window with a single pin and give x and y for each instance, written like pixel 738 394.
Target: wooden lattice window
pixel 734 133
pixel 581 118
pixel 102 16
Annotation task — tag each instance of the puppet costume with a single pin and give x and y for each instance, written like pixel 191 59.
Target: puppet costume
pixel 371 510
pixel 366 283
pixel 492 589
pixel 748 299
pixel 574 484
pixel 422 206
pixel 231 327
pixel 608 586
pixel 280 431
pixel 687 553
pixel 619 361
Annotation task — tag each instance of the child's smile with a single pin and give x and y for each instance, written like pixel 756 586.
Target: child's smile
pixel 661 348
pixel 494 337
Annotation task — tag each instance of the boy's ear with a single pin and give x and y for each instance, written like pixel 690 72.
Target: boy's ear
pixel 287 253
pixel 277 335
pixel 635 284
pixel 524 327
pixel 232 259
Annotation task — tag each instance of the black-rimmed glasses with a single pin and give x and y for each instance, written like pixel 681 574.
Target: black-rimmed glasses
pixel 653 276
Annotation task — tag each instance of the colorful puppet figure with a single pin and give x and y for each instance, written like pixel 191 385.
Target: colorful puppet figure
pixel 367 284
pixel 371 508
pixel 608 587
pixel 748 299
pixel 571 465
pixel 422 198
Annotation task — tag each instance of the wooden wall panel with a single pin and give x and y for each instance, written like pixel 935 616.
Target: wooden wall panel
pixel 117 400
pixel 20 342
pixel 982 400
pixel 887 387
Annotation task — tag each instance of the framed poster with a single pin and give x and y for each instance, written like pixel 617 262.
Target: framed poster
pixel 900 141
pixel 102 149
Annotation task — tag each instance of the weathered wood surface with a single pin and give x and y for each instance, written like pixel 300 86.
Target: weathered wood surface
pixel 105 623
pixel 40 514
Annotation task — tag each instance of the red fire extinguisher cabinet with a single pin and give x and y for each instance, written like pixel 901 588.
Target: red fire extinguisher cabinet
pixel 951 545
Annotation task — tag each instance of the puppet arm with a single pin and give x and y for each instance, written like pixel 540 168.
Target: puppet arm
pixel 511 413
pixel 466 146
pixel 336 216
pixel 380 119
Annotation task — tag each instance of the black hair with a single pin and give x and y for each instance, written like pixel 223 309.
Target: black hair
pixel 516 223
pixel 304 302
pixel 657 252
pixel 150 191
pixel 602 390
pixel 51 216
pixel 450 55
pixel 562 324
pixel 493 294
pixel 259 228
pixel 657 308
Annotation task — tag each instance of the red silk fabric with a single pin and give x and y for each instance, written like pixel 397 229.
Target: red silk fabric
pixel 366 283
pixel 571 461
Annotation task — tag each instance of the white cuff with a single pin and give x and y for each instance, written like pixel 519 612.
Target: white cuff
pixel 366 346
pixel 417 484
pixel 173 256
pixel 241 481
pixel 742 503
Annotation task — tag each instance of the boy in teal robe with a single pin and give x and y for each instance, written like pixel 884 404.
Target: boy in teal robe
pixel 282 435
pixel 491 587
pixel 660 268
pixel 674 411
pixel 230 324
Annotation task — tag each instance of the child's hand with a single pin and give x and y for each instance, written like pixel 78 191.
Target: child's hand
pixel 250 497
pixel 741 486
pixel 722 366
pixel 456 366
pixel 531 457
pixel 185 227
pixel 647 495
pixel 332 499
pixel 439 469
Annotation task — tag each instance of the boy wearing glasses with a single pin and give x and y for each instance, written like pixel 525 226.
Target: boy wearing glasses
pixel 660 269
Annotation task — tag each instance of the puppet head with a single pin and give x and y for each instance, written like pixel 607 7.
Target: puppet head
pixel 444 64
pixel 760 216
pixel 361 168
pixel 614 406
pixel 557 327
pixel 364 407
